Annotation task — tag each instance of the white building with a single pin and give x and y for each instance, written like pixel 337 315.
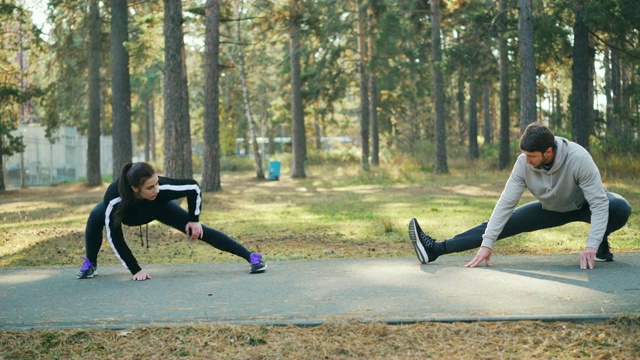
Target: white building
pixel 47 163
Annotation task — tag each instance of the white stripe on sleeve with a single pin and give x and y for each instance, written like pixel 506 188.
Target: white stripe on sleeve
pixel 186 188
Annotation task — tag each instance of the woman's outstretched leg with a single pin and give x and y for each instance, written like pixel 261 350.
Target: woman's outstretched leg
pixel 176 217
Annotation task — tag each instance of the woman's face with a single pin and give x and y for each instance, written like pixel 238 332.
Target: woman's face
pixel 149 190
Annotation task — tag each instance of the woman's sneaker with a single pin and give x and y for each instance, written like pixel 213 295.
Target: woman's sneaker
pixel 257 265
pixel 88 270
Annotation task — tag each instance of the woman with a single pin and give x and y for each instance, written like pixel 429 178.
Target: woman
pixel 140 196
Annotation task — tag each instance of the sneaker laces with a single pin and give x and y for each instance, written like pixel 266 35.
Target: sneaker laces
pixel 426 240
pixel 86 265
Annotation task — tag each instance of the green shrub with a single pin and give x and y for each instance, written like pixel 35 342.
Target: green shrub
pixel 235 163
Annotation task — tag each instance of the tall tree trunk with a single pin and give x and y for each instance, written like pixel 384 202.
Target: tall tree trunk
pixel 185 120
pixel 607 83
pixel 121 87
pixel 591 90
pixel 257 158
pixel 211 158
pixel 486 113
pixel 556 114
pixel 626 110
pixel 505 136
pixel 438 92
pixel 148 129
pixel 580 80
pixel 297 114
pixel 177 134
pixel 462 119
pixel 317 128
pixel 614 124
pixel 373 86
pixel 528 65
pixel 616 128
pixel 152 128
pixel 94 176
pixel 364 93
pixel 3 186
pixel 625 93
pixel 373 111
pixel 474 153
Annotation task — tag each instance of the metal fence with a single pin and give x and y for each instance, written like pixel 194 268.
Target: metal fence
pixel 46 163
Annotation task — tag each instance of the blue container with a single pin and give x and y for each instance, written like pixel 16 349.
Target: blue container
pixel 274 170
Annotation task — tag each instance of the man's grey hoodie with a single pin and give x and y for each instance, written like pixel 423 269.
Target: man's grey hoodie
pixel 572 182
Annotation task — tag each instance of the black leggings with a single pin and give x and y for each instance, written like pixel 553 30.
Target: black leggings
pixel 530 217
pixel 169 214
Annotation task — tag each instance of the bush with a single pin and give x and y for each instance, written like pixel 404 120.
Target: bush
pixel 341 155
pixel 235 163
pixel 616 165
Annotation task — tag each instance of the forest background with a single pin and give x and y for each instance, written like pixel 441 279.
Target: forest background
pixel 415 84
pixel 411 82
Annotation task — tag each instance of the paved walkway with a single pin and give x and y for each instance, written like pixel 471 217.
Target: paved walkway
pixel 311 292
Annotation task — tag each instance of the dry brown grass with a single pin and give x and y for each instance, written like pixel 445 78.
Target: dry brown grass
pixel 615 339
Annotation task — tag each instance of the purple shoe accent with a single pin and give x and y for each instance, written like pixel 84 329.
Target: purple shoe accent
pixel 257 265
pixel 255 259
pixel 86 265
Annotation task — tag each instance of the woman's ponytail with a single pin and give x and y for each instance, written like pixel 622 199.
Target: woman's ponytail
pixel 124 186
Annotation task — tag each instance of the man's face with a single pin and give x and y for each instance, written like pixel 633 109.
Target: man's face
pixel 537 158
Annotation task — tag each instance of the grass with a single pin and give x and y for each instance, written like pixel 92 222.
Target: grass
pixel 337 212
pixel 334 213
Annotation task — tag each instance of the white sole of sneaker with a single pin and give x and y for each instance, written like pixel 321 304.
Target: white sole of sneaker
pixel 95 272
pixel 417 245
pixel 261 270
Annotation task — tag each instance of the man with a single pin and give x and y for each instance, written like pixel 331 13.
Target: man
pixel 567 185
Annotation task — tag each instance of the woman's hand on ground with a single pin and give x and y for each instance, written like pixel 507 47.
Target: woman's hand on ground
pixel 141 276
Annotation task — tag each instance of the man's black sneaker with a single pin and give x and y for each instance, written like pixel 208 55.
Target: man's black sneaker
pixel 88 270
pixel 604 253
pixel 422 243
pixel 257 265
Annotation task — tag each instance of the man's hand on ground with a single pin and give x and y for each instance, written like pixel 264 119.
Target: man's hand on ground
pixel 484 254
pixel 588 258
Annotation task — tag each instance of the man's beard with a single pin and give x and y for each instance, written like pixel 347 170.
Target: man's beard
pixel 543 162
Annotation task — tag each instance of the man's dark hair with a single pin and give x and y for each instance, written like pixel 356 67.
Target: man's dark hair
pixel 537 137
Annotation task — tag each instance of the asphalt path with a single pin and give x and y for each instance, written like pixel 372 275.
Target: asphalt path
pixel 393 290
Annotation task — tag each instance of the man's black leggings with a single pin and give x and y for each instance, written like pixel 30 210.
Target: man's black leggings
pixel 169 214
pixel 531 216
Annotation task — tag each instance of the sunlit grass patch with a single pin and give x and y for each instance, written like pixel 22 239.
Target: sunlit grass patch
pixel 339 212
